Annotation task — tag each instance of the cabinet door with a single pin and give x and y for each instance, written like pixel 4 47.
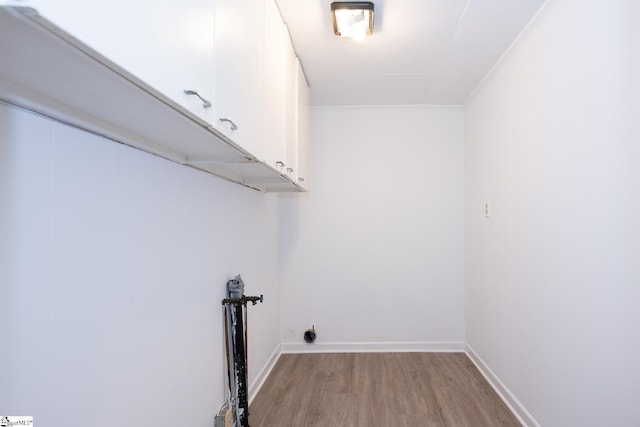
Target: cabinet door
pixel 291 105
pixel 167 44
pixel 239 73
pixel 302 121
pixel 276 50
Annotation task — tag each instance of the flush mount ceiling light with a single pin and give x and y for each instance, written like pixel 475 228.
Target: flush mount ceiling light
pixel 352 19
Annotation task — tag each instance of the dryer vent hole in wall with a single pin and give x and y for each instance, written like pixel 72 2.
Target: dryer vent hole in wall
pixel 310 335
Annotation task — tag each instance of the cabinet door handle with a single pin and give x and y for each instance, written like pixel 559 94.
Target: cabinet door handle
pixel 232 125
pixel 205 103
pixel 289 170
pixel 301 179
pixel 280 164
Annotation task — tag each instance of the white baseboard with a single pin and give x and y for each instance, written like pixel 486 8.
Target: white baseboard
pixel 374 347
pixel 518 409
pixel 257 383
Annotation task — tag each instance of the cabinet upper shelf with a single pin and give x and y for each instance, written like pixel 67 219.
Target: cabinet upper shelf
pixel 46 70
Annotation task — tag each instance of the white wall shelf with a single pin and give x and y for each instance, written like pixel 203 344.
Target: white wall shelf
pixel 46 70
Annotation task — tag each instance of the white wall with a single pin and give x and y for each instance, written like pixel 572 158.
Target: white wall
pixel 113 267
pixel 551 140
pixel 375 252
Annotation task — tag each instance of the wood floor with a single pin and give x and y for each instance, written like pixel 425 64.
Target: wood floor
pixel 377 389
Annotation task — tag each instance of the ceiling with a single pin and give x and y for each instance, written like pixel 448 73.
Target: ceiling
pixel 421 52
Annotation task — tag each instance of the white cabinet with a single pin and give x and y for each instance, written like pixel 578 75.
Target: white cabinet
pixel 302 127
pixel 286 100
pixel 120 70
pixel 239 66
pixel 276 49
pixel 291 112
pixel 58 76
pixel 168 45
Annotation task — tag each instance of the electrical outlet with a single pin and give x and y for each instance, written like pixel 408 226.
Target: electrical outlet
pixel 487 213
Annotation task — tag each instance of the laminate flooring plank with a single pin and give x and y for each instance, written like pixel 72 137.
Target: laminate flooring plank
pixel 419 397
pixel 340 410
pixel 288 387
pixel 377 389
pixel 452 395
pixel 494 409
